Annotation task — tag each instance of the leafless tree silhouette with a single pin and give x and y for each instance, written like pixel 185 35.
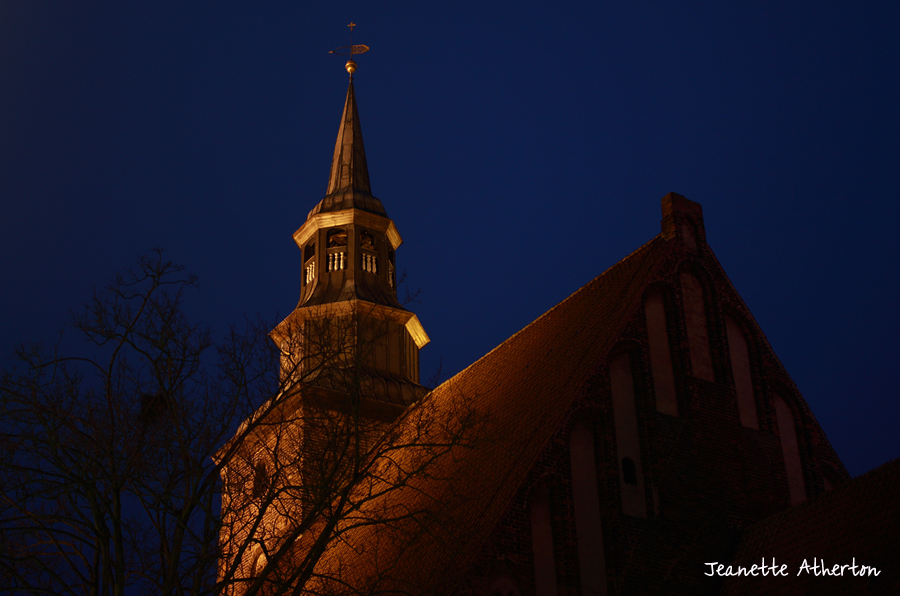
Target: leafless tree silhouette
pixel 163 461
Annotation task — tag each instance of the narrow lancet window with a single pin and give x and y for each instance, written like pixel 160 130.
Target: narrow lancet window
pixel 740 368
pixel 588 531
pixel 542 543
pixel 629 471
pixel 695 318
pixel 687 234
pixel 787 432
pixel 627 439
pixel 660 356
pixel 260 479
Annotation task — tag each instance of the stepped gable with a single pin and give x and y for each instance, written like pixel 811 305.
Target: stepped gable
pixel 857 520
pixel 522 390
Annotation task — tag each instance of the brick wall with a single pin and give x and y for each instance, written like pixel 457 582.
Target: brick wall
pixel 706 477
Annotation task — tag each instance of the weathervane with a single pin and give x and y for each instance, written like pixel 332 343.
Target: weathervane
pixel 350 51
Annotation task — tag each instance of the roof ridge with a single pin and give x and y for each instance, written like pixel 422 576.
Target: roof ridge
pixel 585 287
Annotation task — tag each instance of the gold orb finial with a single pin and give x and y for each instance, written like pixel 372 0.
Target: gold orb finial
pixel 351 50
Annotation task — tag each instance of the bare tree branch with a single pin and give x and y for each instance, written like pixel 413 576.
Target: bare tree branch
pixel 163 461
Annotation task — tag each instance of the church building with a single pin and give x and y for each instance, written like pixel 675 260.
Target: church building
pixel 637 432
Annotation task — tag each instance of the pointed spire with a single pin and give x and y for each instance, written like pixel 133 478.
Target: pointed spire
pixel 348 166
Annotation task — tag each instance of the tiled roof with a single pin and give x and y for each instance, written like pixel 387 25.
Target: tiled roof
pixel 520 392
pixel 859 520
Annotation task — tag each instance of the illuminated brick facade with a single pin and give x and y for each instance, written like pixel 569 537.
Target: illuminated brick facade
pixel 635 431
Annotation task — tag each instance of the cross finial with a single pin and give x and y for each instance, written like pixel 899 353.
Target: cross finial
pixel 351 25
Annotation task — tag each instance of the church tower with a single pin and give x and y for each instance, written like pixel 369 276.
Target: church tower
pixel 349 332
pixel 349 368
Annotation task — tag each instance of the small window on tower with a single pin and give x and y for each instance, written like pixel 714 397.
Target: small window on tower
pixel 391 273
pixel 336 237
pixel 366 240
pixel 309 262
pixel 369 260
pixel 629 471
pixel 260 479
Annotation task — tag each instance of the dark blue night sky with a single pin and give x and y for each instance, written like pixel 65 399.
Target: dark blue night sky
pixel 521 149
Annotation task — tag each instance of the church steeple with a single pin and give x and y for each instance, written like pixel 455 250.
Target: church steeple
pixel 349 359
pixel 348 167
pixel 348 246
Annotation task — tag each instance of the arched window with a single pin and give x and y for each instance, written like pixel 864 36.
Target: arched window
pixel 588 531
pixel 660 356
pixel 542 543
pixel 695 318
pixel 740 368
pixel 260 479
pixel 259 563
pixel 787 432
pixel 628 444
